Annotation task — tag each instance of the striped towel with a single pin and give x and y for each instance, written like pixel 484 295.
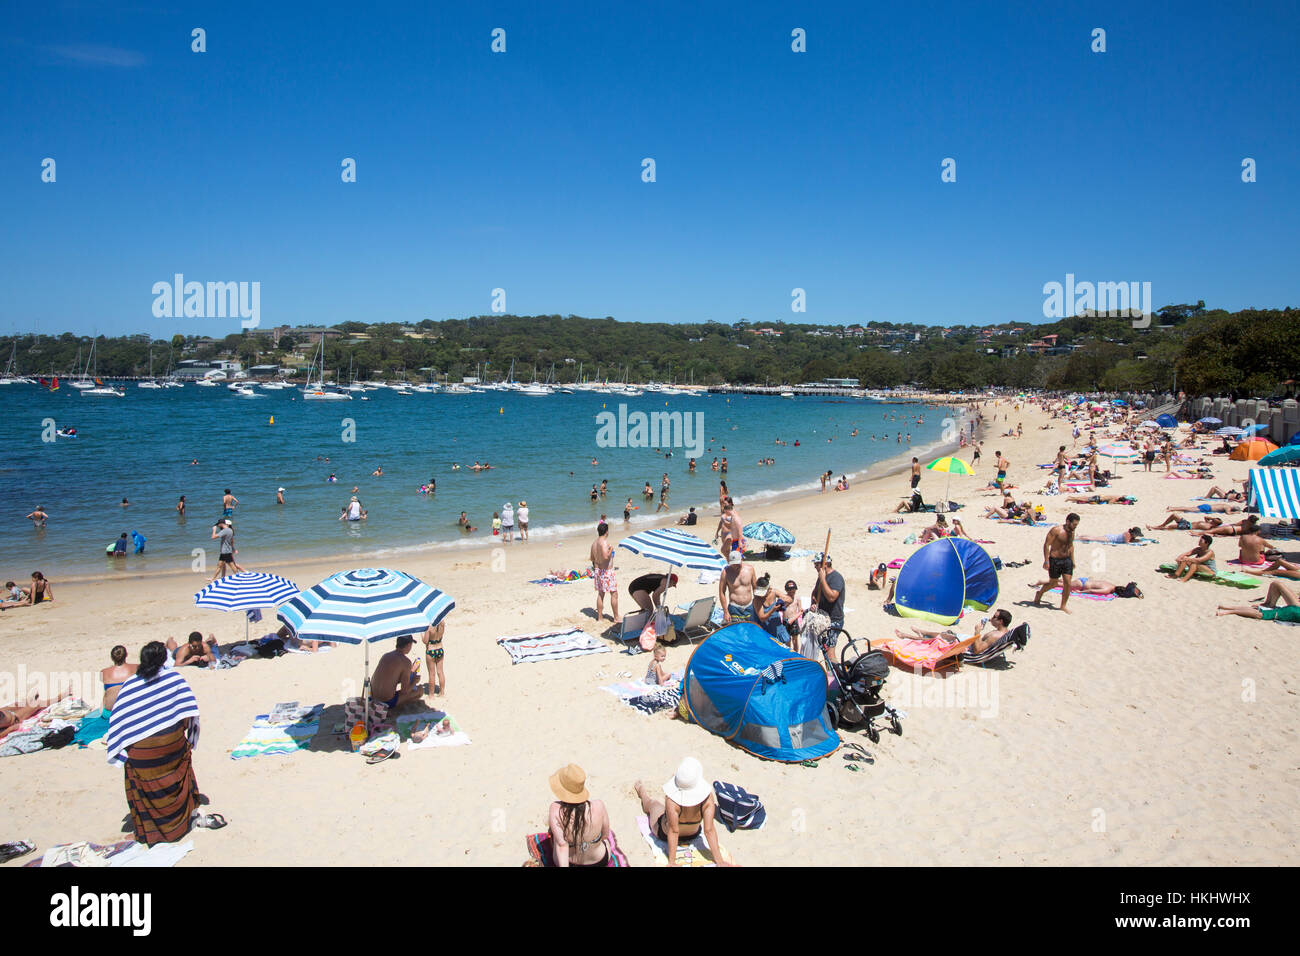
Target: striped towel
pixel 551 646
pixel 144 708
pixel 266 738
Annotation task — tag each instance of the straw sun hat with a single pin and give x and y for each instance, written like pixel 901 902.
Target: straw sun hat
pixel 569 784
pixel 688 787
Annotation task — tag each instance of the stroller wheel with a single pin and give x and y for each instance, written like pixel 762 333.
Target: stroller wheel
pixel 896 726
pixel 833 717
pixel 873 734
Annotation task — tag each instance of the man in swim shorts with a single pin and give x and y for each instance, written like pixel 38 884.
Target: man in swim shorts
pixel 602 561
pixel 1280 604
pixel 396 681
pixel 1058 560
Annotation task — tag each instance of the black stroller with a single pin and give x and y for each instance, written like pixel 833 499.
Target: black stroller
pixel 853 698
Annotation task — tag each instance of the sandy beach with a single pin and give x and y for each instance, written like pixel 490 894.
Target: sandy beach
pixel 1133 732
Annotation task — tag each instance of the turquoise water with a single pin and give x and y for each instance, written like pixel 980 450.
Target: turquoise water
pixel 140 447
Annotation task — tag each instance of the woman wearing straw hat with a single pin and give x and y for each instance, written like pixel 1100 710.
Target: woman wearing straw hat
pixel 579 825
pixel 687 808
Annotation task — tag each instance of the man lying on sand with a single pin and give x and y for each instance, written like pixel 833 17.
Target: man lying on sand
pixel 998 624
pixel 1278 593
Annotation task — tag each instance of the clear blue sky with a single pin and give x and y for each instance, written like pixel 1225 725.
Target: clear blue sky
pixel 522 170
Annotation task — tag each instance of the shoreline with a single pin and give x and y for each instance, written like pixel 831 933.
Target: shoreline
pixel 474 545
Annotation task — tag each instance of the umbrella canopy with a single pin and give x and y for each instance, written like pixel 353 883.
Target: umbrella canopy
pixel 1210 420
pixel 1253 449
pixel 365 605
pixel 1257 427
pixel 1118 401
pixel 1149 424
pixel 1286 455
pixel 246 591
pixel 1117 451
pixel 953 466
pixel 678 548
pixel 1230 431
pixel 765 532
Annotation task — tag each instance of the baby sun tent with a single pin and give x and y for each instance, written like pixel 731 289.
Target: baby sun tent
pixel 943 577
pixel 745 687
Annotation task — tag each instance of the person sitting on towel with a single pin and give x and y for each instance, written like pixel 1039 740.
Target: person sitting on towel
pixel 686 810
pixel 396 680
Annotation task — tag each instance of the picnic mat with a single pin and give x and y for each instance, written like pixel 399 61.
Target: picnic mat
pixel 551 646
pixel 694 852
pixel 267 738
pixel 540 850
pixel 409 722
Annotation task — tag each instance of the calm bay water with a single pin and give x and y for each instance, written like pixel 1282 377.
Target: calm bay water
pixel 140 447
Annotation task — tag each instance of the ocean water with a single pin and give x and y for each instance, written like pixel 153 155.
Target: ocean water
pixel 141 448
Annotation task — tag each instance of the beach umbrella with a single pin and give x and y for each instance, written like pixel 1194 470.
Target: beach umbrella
pixel 246 591
pixel 1210 420
pixel 1149 424
pixel 677 548
pixel 1230 431
pixel 768 533
pixel 1286 455
pixel 1118 401
pixel 363 606
pixel 1117 451
pixel 1257 427
pixel 1252 449
pixel 951 466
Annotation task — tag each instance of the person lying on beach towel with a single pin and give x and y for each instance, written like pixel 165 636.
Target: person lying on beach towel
pixel 1277 568
pixel 1278 593
pixel 1205 508
pixel 1208 523
pixel 13 715
pixel 1102 499
pixel 1228 494
pixel 1131 536
pixel 998 626
pixel 1098 586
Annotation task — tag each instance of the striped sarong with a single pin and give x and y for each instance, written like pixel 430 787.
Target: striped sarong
pixel 161 791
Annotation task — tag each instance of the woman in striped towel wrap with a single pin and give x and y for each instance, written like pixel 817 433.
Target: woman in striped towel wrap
pixel 152 729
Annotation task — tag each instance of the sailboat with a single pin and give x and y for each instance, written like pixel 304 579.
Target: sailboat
pixel 98 388
pixel 319 392
pixel 82 381
pixel 10 376
pixel 151 382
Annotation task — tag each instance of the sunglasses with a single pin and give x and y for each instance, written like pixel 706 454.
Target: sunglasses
pixel 791 587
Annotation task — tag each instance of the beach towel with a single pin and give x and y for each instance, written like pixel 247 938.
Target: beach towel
pixel 409 722
pixel 925 655
pixel 125 853
pixel 145 708
pixel 1236 579
pixel 1261 563
pixel 93 728
pixel 1084 594
pixel 557 577
pixel 541 852
pixel 161 792
pixel 267 738
pixel 551 646
pixel 693 852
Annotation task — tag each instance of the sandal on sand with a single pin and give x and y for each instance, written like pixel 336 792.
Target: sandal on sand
pixel 382 755
pixel 854 756
pixel 209 821
pixel 811 764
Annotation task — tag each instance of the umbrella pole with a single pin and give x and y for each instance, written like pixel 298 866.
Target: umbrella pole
pixel 365 694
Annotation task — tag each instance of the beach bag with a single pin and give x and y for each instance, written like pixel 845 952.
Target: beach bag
pixel 738 808
pixel 650 633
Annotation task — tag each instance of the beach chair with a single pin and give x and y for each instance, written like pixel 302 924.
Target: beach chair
pixel 633 625
pixel 698 620
pixel 1017 637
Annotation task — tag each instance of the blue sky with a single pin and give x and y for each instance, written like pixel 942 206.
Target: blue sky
pixel 522 170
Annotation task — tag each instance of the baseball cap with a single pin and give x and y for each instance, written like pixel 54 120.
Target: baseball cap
pixel 734 558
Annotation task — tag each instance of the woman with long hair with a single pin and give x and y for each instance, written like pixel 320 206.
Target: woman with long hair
pixel 579 825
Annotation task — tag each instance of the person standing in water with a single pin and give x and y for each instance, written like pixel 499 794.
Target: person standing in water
pixel 228 503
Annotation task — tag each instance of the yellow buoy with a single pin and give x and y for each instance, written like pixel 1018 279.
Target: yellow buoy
pixel 272 419
pixel 503 410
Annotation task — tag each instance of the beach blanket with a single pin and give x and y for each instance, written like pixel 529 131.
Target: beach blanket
pixel 556 577
pixel 541 853
pixel 693 852
pixel 92 729
pixel 266 738
pixel 646 697
pixel 125 853
pixel 409 722
pixel 145 708
pixel 551 646
pixel 1236 579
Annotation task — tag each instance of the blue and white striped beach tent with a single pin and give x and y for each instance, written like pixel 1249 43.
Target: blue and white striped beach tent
pixel 366 605
pixel 677 548
pixel 1276 491
pixel 246 591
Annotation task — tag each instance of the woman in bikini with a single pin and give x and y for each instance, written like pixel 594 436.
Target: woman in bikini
pixel 117 675
pixel 579 825
pixel 688 808
pixel 433 650
pixel 13 715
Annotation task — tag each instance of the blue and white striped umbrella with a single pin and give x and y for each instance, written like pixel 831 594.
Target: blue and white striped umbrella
pixel 1230 431
pixel 365 605
pixel 245 591
pixel 765 532
pixel 678 548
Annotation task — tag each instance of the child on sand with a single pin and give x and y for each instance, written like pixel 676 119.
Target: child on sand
pixel 655 673
pixel 433 650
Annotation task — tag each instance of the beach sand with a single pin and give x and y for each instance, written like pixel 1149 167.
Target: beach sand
pixel 1131 732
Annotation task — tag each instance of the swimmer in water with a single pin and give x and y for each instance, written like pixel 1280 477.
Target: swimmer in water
pixel 38 517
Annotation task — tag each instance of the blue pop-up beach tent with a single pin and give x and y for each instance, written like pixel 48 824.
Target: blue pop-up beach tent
pixel 944 576
pixel 745 687
pixel 1166 421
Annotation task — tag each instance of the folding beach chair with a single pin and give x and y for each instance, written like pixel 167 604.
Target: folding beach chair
pixel 698 620
pixel 1017 637
pixel 633 625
